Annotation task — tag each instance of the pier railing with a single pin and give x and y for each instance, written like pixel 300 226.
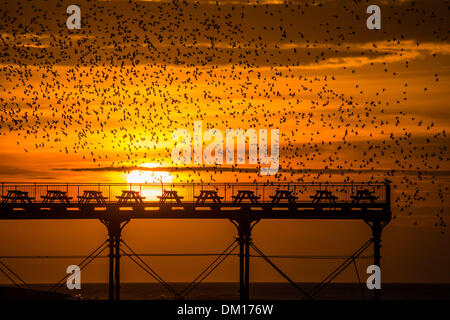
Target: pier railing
pixel 344 192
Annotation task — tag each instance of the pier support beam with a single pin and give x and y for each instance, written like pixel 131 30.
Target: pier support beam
pixel 111 266
pixel 114 225
pixel 376 238
pixel 244 227
pixel 377 228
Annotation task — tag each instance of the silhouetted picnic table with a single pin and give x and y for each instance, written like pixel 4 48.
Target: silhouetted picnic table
pixel 53 195
pixel 323 195
pixel 283 195
pixel 363 195
pixel 14 196
pixel 129 195
pixel 170 195
pixel 208 195
pixel 93 195
pixel 245 195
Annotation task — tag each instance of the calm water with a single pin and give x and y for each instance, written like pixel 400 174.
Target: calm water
pixel 283 291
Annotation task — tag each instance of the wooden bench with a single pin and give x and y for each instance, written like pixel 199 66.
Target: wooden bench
pixel 323 195
pixel 14 196
pixel 170 195
pixel 363 195
pixel 245 195
pixel 56 195
pixel 130 195
pixel 89 195
pixel 281 195
pixel 206 195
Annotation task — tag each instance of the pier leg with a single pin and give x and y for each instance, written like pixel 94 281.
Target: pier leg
pixel 244 227
pixel 114 227
pixel 244 238
pixel 376 234
pixel 241 269
pixel 247 266
pixel 117 271
pixel 111 268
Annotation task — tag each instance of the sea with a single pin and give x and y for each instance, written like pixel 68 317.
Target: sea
pixel 263 291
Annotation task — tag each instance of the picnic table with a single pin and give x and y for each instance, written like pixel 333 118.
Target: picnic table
pixel 170 195
pixel 130 195
pixel 245 195
pixel 363 195
pixel 323 195
pixel 206 195
pixel 283 195
pixel 56 195
pixel 92 195
pixel 14 196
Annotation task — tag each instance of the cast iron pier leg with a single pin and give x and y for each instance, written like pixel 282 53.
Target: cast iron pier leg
pixel 244 227
pixel 241 268
pixel 114 227
pixel 247 266
pixel 376 236
pixel 377 227
pixel 111 267
pixel 117 271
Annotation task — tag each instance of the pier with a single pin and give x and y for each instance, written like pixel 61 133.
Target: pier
pixel 243 204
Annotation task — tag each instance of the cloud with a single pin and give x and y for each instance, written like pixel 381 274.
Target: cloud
pixel 257 170
pixel 122 33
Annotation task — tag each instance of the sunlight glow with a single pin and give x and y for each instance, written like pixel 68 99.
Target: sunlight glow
pixel 142 176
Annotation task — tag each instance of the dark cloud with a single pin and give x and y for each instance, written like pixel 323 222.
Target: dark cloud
pixel 186 33
pixel 441 173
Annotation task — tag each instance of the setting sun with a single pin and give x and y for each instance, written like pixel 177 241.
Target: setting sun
pixel 144 176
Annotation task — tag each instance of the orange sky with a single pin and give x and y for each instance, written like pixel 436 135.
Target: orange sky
pixel 342 96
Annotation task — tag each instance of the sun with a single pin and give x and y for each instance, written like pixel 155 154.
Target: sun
pixel 143 176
